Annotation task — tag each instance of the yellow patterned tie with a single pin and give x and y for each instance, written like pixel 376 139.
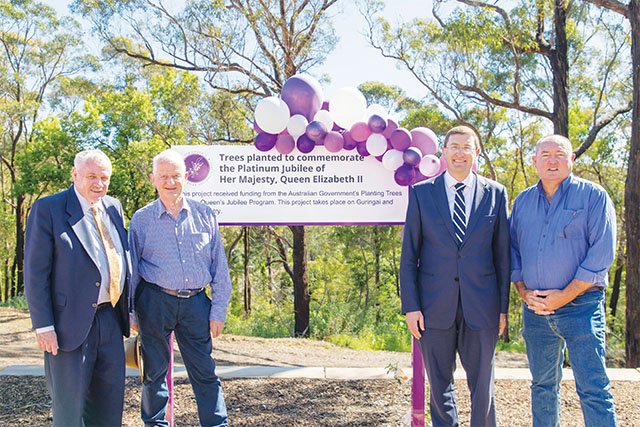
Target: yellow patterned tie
pixel 112 257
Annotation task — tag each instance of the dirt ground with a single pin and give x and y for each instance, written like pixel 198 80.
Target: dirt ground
pixel 289 402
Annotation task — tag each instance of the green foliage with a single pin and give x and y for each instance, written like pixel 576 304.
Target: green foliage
pixel 16 302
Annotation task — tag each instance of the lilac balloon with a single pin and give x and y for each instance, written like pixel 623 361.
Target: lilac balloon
pixel 333 142
pixel 404 175
pixel 391 126
pixel 400 139
pixel 443 164
pixel 419 177
pixel 412 156
pixel 316 131
pixel 305 145
pixel 256 127
pixel 265 141
pixel 349 142
pixel 424 139
pixel 362 148
pixel 429 165
pixel 285 144
pixel 303 95
pixel 360 131
pixel 336 128
pixel 325 106
pixel 377 124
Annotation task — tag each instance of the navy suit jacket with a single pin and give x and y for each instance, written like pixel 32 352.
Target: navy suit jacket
pixel 434 271
pixel 61 279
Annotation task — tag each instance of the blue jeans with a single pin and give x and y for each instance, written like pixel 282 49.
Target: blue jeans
pixel 158 315
pixel 580 325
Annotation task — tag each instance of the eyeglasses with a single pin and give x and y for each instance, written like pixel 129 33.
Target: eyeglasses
pixel 466 149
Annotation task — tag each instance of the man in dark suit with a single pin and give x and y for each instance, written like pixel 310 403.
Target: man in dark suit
pixel 454 278
pixel 76 281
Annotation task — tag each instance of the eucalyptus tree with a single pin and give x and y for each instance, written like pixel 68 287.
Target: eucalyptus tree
pixel 37 50
pixel 245 48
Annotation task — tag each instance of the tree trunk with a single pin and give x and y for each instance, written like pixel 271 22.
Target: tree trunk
pixel 632 202
pixel 617 278
pixel 560 69
pixel 247 279
pixel 300 281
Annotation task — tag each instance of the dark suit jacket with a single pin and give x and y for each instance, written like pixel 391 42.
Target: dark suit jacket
pixel 434 271
pixel 61 279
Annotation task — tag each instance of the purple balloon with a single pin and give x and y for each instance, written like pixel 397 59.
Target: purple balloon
pixel 349 142
pixel 325 106
pixel 412 156
pixel 419 177
pixel 303 95
pixel 305 145
pixel 400 139
pixel 333 142
pixel 377 124
pixel 316 131
pixel 404 175
pixel 360 131
pixel 336 128
pixel 285 144
pixel 362 148
pixel 265 141
pixel 391 126
pixel 424 139
pixel 256 127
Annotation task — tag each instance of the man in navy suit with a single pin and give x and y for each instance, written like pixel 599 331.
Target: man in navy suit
pixel 76 267
pixel 454 278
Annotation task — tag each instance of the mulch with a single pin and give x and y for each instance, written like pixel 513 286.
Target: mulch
pixel 311 402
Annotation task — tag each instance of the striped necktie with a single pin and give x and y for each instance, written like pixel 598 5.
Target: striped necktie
pixel 459 215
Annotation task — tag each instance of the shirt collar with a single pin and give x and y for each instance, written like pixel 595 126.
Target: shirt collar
pixel 450 181
pixel 566 182
pixel 160 209
pixel 84 203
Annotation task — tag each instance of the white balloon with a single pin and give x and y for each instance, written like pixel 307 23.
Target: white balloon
pixel 376 144
pixel 324 117
pixel 376 109
pixel 272 114
pixel 392 160
pixel 429 165
pixel 347 106
pixel 297 125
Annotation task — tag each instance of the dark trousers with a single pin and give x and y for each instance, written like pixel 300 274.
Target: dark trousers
pixel 158 315
pixel 87 384
pixel 476 349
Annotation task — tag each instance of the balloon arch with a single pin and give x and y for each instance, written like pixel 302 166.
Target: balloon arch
pixel 300 119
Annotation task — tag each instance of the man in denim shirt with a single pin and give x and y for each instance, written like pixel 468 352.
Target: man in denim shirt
pixel 176 253
pixel 563 240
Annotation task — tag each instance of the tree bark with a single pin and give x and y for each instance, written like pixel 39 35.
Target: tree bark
pixel 632 202
pixel 300 281
pixel 617 279
pixel 560 68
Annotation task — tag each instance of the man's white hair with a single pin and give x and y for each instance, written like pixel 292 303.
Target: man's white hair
pixel 169 156
pixel 96 155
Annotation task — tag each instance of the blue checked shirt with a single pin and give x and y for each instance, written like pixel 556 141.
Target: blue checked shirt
pixel 574 236
pixel 183 253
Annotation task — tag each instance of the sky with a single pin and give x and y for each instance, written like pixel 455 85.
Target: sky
pixel 353 61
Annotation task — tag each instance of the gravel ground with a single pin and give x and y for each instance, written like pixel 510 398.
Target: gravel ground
pixel 24 401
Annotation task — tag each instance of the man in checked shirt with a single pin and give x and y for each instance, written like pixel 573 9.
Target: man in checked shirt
pixel 176 253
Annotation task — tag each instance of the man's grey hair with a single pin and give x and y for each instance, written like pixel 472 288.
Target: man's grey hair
pixel 96 155
pixel 558 139
pixel 170 156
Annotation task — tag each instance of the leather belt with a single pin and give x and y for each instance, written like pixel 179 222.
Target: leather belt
pixel 179 293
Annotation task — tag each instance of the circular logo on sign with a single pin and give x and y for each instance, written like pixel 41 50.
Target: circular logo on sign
pixel 197 167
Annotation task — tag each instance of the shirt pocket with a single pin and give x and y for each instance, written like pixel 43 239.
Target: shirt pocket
pixel 201 242
pixel 573 224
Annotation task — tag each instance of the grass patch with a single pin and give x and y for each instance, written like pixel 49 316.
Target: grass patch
pixel 511 347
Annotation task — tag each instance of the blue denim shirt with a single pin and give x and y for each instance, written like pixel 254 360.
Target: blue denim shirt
pixel 574 236
pixel 183 253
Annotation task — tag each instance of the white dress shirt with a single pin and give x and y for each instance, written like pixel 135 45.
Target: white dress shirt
pixel 468 192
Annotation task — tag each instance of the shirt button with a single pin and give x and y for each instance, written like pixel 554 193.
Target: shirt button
pixel 544 235
pixel 179 243
pixel 97 284
pixel 183 261
pixel 94 305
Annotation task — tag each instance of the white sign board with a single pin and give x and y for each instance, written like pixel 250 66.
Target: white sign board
pixel 247 187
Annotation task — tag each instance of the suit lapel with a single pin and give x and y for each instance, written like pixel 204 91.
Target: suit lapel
pixel 440 197
pixel 480 198
pixel 80 227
